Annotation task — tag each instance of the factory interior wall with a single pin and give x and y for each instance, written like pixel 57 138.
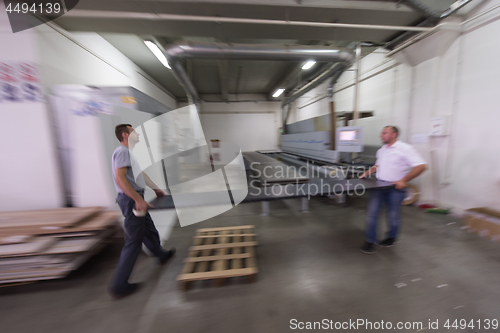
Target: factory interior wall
pixel 472 168
pixel 460 84
pixel 90 60
pixel 34 180
pixel 251 125
pixel 29 168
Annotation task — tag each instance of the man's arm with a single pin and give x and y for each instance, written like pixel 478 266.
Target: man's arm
pixel 367 173
pixel 415 172
pixel 152 185
pixel 126 187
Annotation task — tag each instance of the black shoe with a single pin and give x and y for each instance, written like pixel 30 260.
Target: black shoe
pixel 130 289
pixel 387 242
pixel 368 248
pixel 167 255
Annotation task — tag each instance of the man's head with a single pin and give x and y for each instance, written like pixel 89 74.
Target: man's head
pixel 389 134
pixel 125 134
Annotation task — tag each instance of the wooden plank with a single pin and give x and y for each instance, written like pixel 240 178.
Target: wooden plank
pixel 218 257
pixel 222 246
pixel 251 262
pixel 63 245
pixel 28 280
pixel 237 263
pixel 202 266
pixel 217 274
pixel 189 267
pixel 23 234
pixel 74 245
pixel 15 239
pixel 36 246
pixel 222 235
pixel 226 228
pixel 222 264
pixel 49 217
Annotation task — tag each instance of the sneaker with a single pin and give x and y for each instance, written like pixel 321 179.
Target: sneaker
pixel 388 242
pixel 167 255
pixel 368 248
pixel 131 288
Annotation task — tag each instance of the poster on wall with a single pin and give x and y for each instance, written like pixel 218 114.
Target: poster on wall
pixel 19 82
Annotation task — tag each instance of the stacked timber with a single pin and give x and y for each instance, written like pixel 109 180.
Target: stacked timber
pixel 49 244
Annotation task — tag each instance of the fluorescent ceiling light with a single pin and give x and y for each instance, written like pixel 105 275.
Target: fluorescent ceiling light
pixel 156 51
pixel 308 64
pixel 278 92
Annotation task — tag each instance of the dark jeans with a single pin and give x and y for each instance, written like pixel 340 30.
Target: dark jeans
pixel 393 198
pixel 138 230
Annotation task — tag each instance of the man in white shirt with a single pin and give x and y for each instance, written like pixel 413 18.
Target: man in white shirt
pixel 398 163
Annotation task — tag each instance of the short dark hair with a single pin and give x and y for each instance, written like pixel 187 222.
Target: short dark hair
pixel 120 129
pixel 393 128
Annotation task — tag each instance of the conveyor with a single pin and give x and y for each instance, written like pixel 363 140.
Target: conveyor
pixel 315 187
pixel 269 171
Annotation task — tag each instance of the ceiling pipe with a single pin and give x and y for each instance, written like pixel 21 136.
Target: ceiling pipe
pixel 439 27
pixel 428 22
pixel 183 79
pixel 420 7
pixel 333 80
pixel 176 53
pixel 83 13
pixel 228 51
pixel 341 66
pixel 334 71
pixel 431 20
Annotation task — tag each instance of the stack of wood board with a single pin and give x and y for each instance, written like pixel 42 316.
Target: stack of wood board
pixel 49 244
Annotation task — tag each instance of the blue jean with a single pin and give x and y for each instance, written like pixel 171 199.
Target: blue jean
pixel 393 198
pixel 138 230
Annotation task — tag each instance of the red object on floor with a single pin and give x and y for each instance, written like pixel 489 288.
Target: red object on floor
pixel 426 206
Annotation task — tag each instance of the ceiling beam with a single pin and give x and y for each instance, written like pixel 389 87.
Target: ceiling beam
pixel 81 13
pixel 223 80
pixel 238 80
pixel 292 72
pixel 189 67
pixel 382 5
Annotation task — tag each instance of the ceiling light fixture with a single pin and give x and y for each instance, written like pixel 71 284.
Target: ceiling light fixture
pixel 278 92
pixel 308 64
pixel 157 52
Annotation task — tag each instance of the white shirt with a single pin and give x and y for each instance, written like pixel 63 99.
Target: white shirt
pixel 393 163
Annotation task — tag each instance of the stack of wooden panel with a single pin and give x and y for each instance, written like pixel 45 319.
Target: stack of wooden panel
pixel 49 244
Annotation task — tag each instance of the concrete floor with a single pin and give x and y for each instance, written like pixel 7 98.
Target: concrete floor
pixel 310 269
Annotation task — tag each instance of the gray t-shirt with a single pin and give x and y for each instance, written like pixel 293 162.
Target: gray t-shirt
pixel 123 157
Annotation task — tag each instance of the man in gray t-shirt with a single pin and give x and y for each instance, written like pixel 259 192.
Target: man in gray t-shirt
pixel 130 183
pixel 123 158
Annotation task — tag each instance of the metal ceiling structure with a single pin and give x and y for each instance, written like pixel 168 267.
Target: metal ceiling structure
pixel 336 23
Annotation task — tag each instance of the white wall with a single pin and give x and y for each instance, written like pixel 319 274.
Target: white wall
pixel 383 94
pixel 251 125
pixel 461 82
pixel 31 177
pixel 475 176
pixel 89 59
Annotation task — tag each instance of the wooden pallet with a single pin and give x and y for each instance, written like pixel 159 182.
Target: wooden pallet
pixel 220 253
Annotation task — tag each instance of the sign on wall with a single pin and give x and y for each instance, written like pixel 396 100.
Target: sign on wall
pixel 19 82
